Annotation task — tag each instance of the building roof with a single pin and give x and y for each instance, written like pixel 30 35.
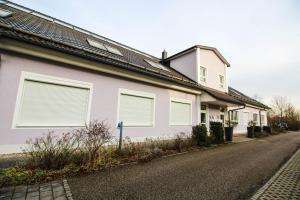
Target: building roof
pixel 31 26
pixel 215 50
pixel 245 99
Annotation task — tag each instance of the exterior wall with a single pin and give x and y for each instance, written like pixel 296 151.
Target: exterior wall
pixel 104 100
pixel 214 67
pixel 187 65
pixel 241 128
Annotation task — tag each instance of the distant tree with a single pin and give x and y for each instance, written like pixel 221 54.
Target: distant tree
pixel 280 105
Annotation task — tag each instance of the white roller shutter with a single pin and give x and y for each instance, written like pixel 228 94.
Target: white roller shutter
pixel 180 113
pixel 51 104
pixel 136 110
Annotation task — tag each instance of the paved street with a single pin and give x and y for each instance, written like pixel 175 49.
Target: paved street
pixel 231 172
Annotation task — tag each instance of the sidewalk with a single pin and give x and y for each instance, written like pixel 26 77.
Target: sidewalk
pixel 285 184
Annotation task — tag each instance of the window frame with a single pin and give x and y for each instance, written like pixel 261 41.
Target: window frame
pixel 184 101
pixel 204 112
pixel 50 80
pixel 237 116
pixel 257 116
pixel 137 94
pixel 205 76
pixel 221 85
pixel 263 119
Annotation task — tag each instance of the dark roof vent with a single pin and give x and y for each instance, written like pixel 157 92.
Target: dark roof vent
pixel 5 13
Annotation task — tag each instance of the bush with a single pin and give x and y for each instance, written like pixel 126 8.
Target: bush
pixel 200 134
pixel 257 129
pixel 293 125
pixel 52 152
pixel 92 137
pixel 267 129
pixel 80 147
pixel 217 132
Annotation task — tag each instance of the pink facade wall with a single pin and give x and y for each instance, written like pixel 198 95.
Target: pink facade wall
pixel 187 65
pixel 104 99
pixel 214 67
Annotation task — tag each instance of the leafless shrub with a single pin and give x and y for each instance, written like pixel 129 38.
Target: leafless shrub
pixel 52 152
pixel 93 137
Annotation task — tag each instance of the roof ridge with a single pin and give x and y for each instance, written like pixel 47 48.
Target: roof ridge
pixel 74 27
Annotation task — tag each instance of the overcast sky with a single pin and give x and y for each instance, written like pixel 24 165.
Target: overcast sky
pixel 260 39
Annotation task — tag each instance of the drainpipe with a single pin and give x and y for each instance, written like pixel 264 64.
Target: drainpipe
pixel 244 106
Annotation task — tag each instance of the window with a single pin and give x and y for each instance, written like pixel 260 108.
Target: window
pixel 5 13
pixel 234 116
pixel 221 79
pixel 222 115
pixel 46 101
pixel 262 119
pixel 255 117
pixel 180 112
pixel 202 74
pixel 136 108
pixel 156 65
pixel 203 114
pixel 104 47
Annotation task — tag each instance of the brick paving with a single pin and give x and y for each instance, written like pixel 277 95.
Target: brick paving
pixel 285 184
pixel 55 190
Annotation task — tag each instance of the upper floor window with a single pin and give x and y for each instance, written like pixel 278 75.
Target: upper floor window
pixel 262 119
pixel 202 74
pixel 221 80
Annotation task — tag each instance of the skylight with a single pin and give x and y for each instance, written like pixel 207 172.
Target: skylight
pixel 104 47
pixel 157 65
pixel 96 44
pixel 113 50
pixel 5 13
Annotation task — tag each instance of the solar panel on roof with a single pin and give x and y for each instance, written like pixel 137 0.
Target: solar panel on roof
pixel 5 13
pixel 157 65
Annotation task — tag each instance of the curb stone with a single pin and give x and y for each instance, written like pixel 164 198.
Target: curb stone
pixel 67 189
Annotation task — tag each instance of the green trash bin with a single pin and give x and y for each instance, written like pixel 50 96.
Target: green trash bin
pixel 228 133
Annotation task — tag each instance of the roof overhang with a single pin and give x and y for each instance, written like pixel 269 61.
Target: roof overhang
pixel 210 99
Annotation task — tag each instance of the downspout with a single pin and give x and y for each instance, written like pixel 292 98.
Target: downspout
pixel 244 106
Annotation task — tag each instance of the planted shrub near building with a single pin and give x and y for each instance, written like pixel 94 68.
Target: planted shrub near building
pixel 200 134
pixel 267 129
pixel 217 132
pixel 257 129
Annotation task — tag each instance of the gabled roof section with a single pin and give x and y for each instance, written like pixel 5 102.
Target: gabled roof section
pixel 246 99
pixel 215 50
pixel 39 29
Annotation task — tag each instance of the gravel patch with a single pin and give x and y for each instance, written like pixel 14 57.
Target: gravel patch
pixel 228 172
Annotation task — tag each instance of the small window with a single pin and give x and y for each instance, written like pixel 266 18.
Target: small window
pixel 221 79
pixel 5 13
pixel 157 65
pixel 202 74
pixel 203 107
pixel 136 108
pixel 203 118
pixel 113 50
pixel 104 47
pixel 234 116
pixel 46 101
pixel 96 44
pixel 255 117
pixel 262 119
pixel 181 111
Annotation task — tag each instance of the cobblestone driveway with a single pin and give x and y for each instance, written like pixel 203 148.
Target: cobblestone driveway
pixel 285 184
pixel 55 190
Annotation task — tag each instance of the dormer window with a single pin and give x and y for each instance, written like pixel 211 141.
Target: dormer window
pixel 202 74
pixel 221 81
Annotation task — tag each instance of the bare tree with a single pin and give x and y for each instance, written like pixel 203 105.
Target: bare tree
pixel 280 105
